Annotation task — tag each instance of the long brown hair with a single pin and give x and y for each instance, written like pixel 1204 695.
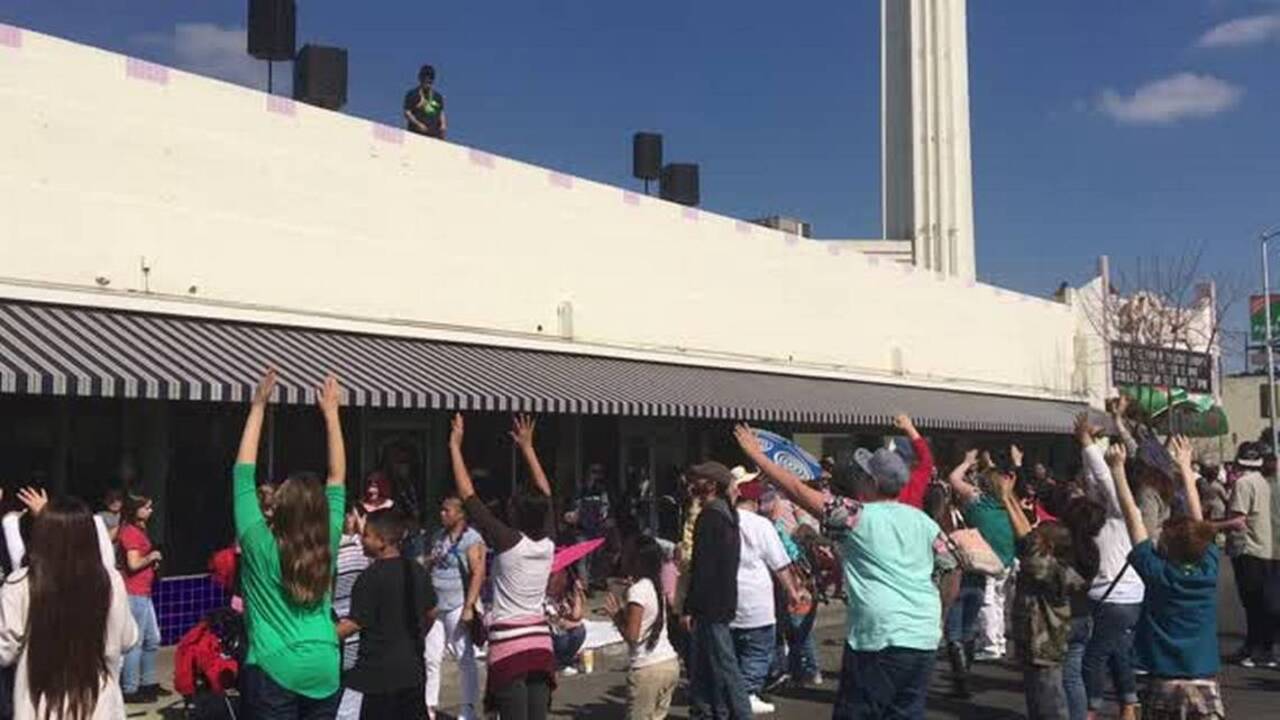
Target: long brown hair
pixel 301 527
pixel 133 504
pixel 70 595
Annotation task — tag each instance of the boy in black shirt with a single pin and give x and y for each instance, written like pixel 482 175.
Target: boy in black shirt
pixel 392 607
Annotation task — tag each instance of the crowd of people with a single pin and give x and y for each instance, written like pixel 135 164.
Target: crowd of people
pixel 1086 582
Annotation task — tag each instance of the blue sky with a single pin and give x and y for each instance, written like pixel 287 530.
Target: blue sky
pixel 1136 129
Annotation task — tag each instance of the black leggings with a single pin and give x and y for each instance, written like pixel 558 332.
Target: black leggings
pixel 407 704
pixel 1251 583
pixel 525 699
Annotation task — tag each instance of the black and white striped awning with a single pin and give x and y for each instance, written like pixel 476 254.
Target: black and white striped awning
pixel 82 352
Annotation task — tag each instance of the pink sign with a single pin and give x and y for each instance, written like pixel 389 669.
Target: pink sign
pixel 10 36
pixel 281 105
pixel 481 158
pixel 146 71
pixel 388 134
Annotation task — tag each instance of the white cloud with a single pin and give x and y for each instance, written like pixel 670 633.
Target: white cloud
pixel 1242 31
pixel 1168 100
pixel 216 51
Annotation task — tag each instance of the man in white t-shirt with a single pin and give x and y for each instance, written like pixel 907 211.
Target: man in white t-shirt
pixel 762 556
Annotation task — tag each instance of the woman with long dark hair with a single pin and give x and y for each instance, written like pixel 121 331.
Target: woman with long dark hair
pixel 139 561
pixel 654 670
pixel 65 621
pixel 292 669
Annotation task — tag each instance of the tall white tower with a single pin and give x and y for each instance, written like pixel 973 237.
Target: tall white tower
pixel 927 178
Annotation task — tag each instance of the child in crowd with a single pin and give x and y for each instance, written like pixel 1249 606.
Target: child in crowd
pixel 565 609
pixel 1178 639
pixel 351 562
pixel 112 504
pixel 139 562
pixel 653 671
pixel 392 607
pixel 1046 582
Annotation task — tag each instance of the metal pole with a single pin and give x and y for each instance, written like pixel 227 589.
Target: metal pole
pixel 1271 367
pixel 270 88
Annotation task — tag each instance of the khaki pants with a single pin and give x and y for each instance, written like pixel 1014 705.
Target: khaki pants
pixel 649 690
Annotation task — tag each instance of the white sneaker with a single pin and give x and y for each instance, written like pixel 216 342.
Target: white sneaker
pixel 569 671
pixel 760 707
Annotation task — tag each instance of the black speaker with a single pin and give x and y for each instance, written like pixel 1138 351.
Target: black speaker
pixel 273 29
pixel 646 152
pixel 680 184
pixel 320 76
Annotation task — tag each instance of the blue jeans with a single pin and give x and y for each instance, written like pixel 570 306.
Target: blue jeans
pixel 1073 668
pixel 264 699
pixel 716 691
pixel 962 616
pixel 888 683
pixel 795 653
pixel 1111 647
pixel 566 645
pixel 140 662
pixel 754 648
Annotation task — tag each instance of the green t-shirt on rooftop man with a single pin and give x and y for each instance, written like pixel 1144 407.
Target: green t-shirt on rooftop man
pixel 988 516
pixel 295 646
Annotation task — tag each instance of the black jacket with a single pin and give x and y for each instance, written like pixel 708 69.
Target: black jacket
pixel 713 577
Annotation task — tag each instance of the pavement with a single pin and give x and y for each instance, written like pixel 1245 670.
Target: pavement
pixel 998 686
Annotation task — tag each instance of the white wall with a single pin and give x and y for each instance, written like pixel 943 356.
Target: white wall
pixel 303 209
pixel 1242 402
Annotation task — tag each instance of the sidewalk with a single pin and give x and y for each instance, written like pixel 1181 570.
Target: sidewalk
pixel 610 661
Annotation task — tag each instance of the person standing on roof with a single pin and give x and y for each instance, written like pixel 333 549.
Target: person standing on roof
pixel 424 106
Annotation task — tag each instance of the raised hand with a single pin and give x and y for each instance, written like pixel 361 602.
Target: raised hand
pixel 1004 485
pixel 748 441
pixel 34 498
pixel 1180 448
pixel 522 429
pixel 1015 454
pixel 903 422
pixel 329 398
pixel 1084 429
pixel 265 387
pixel 1116 455
pixel 457 429
pixel 971 456
pixel 1120 406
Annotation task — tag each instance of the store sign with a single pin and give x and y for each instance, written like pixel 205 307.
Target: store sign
pixel 1161 367
pixel 1258 319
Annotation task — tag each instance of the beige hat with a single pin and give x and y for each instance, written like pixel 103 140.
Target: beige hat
pixel 740 475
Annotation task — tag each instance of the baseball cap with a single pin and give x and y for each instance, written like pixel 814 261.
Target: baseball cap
pixel 886 467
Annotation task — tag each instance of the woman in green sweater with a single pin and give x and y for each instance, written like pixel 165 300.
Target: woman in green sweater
pixel 286 571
